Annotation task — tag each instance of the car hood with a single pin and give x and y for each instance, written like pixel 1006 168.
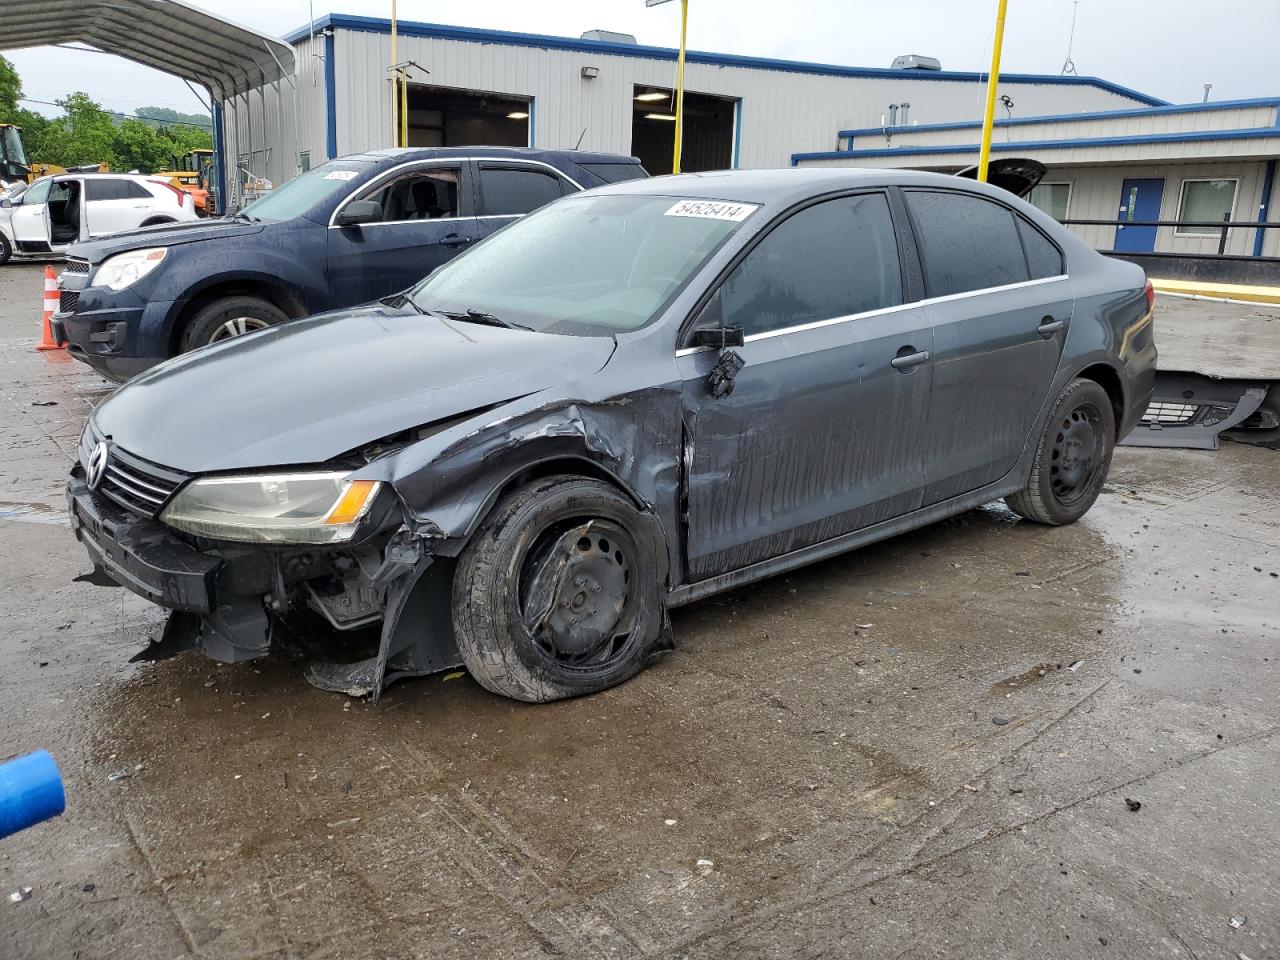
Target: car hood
pixel 310 390
pixel 164 235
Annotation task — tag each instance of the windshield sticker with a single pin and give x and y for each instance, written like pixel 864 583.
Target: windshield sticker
pixel 712 210
pixel 340 174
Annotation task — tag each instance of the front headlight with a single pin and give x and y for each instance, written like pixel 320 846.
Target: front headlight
pixel 285 508
pixel 126 269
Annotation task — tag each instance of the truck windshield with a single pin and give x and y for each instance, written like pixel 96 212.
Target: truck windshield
pixel 295 197
pixel 587 265
pixel 13 149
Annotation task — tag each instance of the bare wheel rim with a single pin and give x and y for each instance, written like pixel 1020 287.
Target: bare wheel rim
pixel 236 327
pixel 1079 453
pixel 578 601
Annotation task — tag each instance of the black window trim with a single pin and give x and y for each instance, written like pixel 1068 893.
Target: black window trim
pixel 1018 215
pixel 690 322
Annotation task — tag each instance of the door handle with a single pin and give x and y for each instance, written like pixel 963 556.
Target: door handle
pixel 456 240
pixel 905 360
pixel 1049 327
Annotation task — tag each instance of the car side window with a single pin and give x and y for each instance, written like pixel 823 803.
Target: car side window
pixel 105 189
pixel 515 191
pixel 420 195
pixel 966 242
pixel 1043 257
pixel 135 191
pixel 832 259
pixel 37 194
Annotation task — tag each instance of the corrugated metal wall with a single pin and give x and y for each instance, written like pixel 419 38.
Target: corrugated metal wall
pixel 259 134
pixel 1228 118
pixel 782 112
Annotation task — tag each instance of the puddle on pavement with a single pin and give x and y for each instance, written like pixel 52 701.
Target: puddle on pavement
pixel 34 512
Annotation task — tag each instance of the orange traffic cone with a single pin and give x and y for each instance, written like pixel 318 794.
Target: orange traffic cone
pixel 50 305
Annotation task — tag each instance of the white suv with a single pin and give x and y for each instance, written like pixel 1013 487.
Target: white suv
pixel 57 211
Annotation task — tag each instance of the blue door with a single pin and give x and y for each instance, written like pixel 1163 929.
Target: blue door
pixel 1139 200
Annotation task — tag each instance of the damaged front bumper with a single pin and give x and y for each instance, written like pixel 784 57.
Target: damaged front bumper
pixel 224 596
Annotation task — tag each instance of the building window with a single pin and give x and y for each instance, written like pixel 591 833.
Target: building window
pixel 1205 200
pixel 304 161
pixel 1053 198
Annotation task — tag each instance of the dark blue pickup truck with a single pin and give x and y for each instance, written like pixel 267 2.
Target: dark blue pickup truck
pixel 351 231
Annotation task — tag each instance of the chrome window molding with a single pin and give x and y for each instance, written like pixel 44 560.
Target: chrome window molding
pixel 801 327
pixel 444 162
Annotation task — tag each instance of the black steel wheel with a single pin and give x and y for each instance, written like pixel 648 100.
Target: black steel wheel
pixel 559 592
pixel 1072 459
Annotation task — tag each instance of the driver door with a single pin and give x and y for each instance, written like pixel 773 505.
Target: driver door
pixel 30 217
pixel 427 218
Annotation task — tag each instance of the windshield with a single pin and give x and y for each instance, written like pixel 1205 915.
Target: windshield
pixel 586 265
pixel 295 197
pixel 13 150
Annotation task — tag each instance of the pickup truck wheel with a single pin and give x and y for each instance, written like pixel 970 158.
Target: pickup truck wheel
pixel 555 596
pixel 229 317
pixel 1072 459
pixel 6 249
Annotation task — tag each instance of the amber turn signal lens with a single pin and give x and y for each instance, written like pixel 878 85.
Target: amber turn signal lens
pixel 352 503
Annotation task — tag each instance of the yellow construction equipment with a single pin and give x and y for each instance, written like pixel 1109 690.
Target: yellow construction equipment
pixel 190 174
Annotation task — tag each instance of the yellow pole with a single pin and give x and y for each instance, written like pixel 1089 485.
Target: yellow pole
pixel 395 82
pixel 404 108
pixel 993 81
pixel 679 138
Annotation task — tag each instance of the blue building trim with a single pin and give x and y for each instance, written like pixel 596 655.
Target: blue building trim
pixel 1070 117
pixel 470 34
pixel 330 100
pixel 1008 147
pixel 1264 208
pixel 219 158
pixel 737 135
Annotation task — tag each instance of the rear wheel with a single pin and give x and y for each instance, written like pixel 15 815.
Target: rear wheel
pixel 1072 459
pixel 229 317
pixel 555 596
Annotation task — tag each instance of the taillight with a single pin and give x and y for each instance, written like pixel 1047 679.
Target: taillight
pixel 1151 296
pixel 182 193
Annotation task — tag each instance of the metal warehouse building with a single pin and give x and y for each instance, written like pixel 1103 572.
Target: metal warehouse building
pixel 1187 165
pixel 469 86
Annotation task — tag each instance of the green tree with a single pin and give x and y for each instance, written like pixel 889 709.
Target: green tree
pixel 85 134
pixel 10 90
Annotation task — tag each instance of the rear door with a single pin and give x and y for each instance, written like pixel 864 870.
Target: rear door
pixel 823 432
pixel 114 204
pixel 998 334
pixel 507 190
pixel 428 218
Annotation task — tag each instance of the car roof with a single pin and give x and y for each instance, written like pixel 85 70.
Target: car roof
pixel 789 184
pixel 530 153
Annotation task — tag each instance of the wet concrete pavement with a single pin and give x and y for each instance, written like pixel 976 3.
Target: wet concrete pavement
pixel 887 755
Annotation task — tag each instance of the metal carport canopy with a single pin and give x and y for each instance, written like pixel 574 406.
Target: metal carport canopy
pixel 166 34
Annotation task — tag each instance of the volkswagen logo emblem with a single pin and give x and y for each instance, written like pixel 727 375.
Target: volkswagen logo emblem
pixel 97 465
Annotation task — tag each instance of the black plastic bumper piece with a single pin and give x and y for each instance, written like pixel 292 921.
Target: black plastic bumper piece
pixel 143 556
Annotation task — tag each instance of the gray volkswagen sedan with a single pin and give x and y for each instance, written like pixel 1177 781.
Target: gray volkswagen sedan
pixel 631 399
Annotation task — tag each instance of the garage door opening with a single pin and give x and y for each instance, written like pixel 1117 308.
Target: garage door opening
pixel 708 130
pixel 443 117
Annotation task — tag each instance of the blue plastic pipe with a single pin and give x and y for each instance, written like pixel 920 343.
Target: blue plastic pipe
pixel 30 791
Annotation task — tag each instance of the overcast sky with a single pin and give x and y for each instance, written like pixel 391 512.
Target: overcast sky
pixel 1168 48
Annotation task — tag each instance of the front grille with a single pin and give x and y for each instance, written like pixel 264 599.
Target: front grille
pixel 68 300
pixel 1163 412
pixel 139 486
pixel 76 266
